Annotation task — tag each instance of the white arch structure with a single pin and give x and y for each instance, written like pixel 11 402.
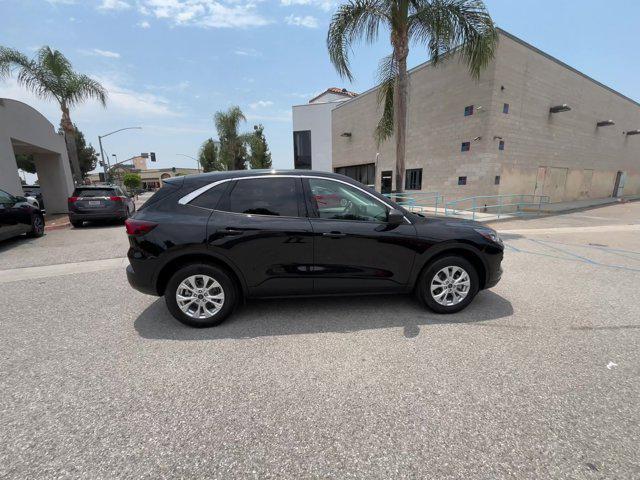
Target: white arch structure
pixel 24 130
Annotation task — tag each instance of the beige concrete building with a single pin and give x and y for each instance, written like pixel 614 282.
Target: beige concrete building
pixel 530 125
pixel 151 177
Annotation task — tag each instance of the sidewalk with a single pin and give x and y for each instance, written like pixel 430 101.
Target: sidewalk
pixel 546 209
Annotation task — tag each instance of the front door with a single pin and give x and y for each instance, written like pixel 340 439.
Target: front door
pixel 260 224
pixel 355 249
pixel 618 187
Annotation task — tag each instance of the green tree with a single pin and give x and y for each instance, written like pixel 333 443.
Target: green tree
pixel 260 154
pixel 26 163
pixel 132 181
pixel 209 158
pixel 50 75
pixel 441 25
pixel 87 156
pixel 233 150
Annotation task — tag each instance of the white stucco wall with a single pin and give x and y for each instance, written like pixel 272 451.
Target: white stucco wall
pixel 27 127
pixel 316 117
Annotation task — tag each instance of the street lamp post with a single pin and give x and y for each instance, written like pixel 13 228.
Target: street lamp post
pixel 105 160
pixel 192 158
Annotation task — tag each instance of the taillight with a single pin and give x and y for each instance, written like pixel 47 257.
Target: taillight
pixel 72 199
pixel 138 227
pixel 115 199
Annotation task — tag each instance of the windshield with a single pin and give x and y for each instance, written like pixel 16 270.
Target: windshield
pixel 94 192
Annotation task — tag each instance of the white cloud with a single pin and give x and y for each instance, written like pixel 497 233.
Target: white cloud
pixel 247 52
pixel 121 102
pixel 261 104
pixel 205 13
pixel 144 24
pixel 325 5
pixel 284 117
pixel 96 52
pixel 307 21
pixel 114 5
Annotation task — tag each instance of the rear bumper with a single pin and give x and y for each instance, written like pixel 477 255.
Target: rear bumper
pixel 78 217
pixel 142 283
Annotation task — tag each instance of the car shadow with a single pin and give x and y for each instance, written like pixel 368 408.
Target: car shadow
pixel 262 318
pixel 16 241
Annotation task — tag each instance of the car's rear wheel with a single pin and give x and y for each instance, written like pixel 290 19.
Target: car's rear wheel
pixel 448 284
pixel 37 226
pixel 201 295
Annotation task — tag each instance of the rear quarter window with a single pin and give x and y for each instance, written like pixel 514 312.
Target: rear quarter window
pixel 211 197
pixel 166 190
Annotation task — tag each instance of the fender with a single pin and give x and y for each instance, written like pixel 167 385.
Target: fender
pixel 436 250
pixel 195 251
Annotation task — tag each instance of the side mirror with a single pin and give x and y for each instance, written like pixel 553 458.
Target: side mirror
pixel 396 217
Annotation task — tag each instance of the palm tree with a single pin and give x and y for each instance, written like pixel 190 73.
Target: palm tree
pixel 442 25
pixel 233 150
pixel 49 75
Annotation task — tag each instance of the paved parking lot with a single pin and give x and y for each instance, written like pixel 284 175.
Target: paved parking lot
pixel 538 378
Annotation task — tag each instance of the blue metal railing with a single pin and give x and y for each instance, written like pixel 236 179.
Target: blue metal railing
pixel 418 201
pixel 514 204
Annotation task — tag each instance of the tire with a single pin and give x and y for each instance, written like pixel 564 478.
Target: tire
pixel 457 266
pixel 37 226
pixel 224 284
pixel 77 223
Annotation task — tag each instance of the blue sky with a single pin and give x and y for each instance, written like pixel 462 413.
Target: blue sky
pixel 171 64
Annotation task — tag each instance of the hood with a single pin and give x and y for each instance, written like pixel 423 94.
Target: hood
pixel 447 221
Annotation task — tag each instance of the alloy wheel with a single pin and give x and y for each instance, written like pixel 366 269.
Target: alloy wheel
pixel 38 225
pixel 450 285
pixel 200 296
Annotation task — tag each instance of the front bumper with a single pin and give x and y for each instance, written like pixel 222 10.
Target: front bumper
pixel 142 283
pixel 494 277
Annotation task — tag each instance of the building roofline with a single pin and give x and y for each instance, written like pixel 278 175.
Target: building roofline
pixel 565 65
pixel 524 44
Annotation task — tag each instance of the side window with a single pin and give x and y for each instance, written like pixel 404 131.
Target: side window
pixel 211 197
pixel 264 196
pixel 338 201
pixel 5 197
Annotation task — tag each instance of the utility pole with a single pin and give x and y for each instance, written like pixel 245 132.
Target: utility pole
pixel 105 160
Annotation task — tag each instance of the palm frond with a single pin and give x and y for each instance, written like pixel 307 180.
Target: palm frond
pixel 387 76
pixel 10 59
pixel 354 20
pixel 80 88
pixel 448 25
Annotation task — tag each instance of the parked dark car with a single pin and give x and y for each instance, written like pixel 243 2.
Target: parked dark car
pixel 99 203
pixel 36 192
pixel 207 241
pixel 17 216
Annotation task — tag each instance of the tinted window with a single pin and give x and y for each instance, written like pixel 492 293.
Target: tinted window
pixel 505 108
pixel 466 146
pixel 5 197
pixel 338 201
pixel 365 174
pixel 501 145
pixel 468 110
pixel 94 192
pixel 211 197
pixel 462 180
pixel 165 191
pixel 302 149
pixel 264 196
pixel 413 180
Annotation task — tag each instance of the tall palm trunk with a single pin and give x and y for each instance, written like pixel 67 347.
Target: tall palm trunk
pixel 401 51
pixel 70 140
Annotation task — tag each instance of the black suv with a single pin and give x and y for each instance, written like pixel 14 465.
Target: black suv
pixel 207 241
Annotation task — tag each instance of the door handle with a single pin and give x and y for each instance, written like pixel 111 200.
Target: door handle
pixel 334 234
pixel 232 231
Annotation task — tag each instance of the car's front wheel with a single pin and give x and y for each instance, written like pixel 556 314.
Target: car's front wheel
pixel 448 284
pixel 201 295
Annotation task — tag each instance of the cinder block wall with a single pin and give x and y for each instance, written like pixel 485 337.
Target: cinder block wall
pixel 562 155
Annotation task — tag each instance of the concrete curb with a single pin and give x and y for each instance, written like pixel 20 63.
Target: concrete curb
pixel 58 226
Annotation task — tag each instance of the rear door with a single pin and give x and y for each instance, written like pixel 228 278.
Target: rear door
pixel 355 249
pixel 260 224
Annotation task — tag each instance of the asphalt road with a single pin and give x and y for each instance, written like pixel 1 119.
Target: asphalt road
pixel 538 378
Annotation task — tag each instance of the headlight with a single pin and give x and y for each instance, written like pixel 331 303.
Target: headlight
pixel 489 234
